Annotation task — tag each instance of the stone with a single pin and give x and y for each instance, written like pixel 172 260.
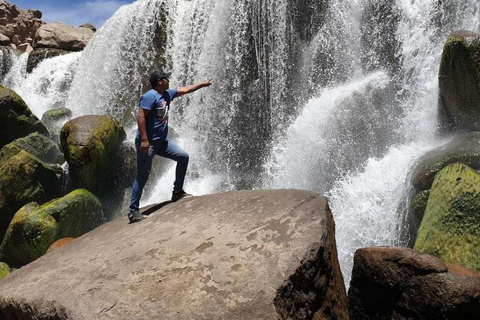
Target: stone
pixel 38 55
pixel 16 119
pixel 450 228
pixel 459 99
pixel 463 148
pixel 89 26
pixel 35 228
pixel 236 255
pixel 4 40
pixel 59 243
pixel 36 144
pixel 28 236
pixel 58 35
pixel 56 115
pixel 4 270
pixel 401 283
pixel 17 24
pixel 26 47
pixel 93 148
pixel 24 179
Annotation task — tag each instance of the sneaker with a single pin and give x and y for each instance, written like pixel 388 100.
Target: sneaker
pixel 179 195
pixel 136 216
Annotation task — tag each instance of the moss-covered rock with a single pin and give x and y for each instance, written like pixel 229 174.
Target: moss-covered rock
pixel 35 228
pixel 29 235
pixel 93 148
pixel 23 179
pixel 459 81
pixel 55 115
pixel 36 144
pixel 38 55
pixel 450 228
pixel 16 119
pixel 4 270
pixel 76 213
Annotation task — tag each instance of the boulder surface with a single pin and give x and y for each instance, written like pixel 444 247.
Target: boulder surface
pixel 36 144
pixel 237 255
pixel 450 228
pixel 401 283
pixel 58 35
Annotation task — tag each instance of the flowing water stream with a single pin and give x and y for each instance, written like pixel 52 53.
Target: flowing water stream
pixel 335 96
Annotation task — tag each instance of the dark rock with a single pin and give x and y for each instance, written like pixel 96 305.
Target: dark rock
pixel 236 255
pixel 36 144
pixel 450 227
pixel 35 228
pixel 459 81
pixel 23 179
pixel 16 119
pixel 38 55
pixel 401 283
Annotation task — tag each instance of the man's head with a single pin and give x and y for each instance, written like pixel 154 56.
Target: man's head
pixel 159 80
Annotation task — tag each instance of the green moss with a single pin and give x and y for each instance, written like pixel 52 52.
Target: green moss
pixel 35 143
pixel 29 235
pixel 4 270
pixel 56 115
pixel 450 228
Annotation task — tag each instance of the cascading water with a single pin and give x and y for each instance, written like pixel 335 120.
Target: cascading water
pixel 334 96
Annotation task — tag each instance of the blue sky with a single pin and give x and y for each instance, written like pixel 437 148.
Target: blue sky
pixel 74 12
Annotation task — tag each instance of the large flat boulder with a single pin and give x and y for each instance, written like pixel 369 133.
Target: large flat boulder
pixel 459 102
pixel 58 35
pixel 237 255
pixel 401 283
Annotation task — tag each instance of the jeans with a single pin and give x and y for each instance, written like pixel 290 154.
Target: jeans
pixel 167 149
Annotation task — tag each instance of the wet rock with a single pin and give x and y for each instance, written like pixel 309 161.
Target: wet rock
pixel 35 228
pixel 36 144
pixel 461 149
pixel 459 102
pixel 58 35
pixel 4 270
pixel 451 224
pixel 23 179
pixel 59 243
pixel 16 119
pixel 38 55
pixel 237 255
pixel 54 119
pixel 401 283
pixel 93 147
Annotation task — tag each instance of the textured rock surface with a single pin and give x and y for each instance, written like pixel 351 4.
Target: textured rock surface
pixel 38 55
pixel 16 119
pixel 461 149
pixel 237 255
pixel 459 81
pixel 58 35
pixel 59 243
pixel 94 151
pixel 401 283
pixel 34 228
pixel 36 144
pixel 17 25
pixel 450 228
pixel 23 179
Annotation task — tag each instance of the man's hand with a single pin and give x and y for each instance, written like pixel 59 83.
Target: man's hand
pixel 144 146
pixel 190 89
pixel 206 83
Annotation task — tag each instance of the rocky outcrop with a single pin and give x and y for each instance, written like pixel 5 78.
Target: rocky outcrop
pixel 38 55
pixel 236 255
pixel 88 26
pixel 23 179
pixel 35 228
pixel 16 119
pixel 94 149
pixel 461 149
pixel 451 224
pixel 17 25
pixel 58 35
pixel 400 283
pixel 36 144
pixel 459 81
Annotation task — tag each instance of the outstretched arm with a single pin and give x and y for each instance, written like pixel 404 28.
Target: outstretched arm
pixel 195 87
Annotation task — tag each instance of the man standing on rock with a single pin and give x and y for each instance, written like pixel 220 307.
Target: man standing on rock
pixel 152 138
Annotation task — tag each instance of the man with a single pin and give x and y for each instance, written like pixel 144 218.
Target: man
pixel 152 138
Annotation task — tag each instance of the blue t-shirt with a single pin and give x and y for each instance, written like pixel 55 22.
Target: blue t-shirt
pixel 156 121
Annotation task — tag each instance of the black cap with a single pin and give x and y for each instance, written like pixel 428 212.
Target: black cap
pixel 157 75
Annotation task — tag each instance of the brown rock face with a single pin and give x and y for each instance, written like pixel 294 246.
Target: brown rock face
pixel 62 36
pixel 237 255
pixel 401 283
pixel 18 25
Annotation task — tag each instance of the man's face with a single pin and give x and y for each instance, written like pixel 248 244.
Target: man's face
pixel 165 83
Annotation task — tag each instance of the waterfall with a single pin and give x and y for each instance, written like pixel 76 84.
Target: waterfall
pixel 335 96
